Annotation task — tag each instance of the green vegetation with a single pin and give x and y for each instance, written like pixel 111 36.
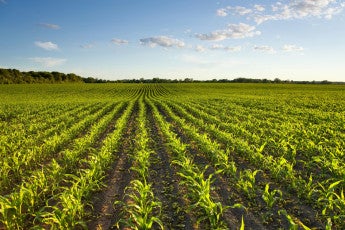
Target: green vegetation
pixel 172 156
pixel 13 76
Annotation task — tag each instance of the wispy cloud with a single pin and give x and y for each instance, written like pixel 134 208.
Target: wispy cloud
pixel 292 48
pixel 301 9
pixel 163 41
pixel 297 9
pixel 3 1
pixel 50 26
pixel 239 10
pixel 236 31
pixel 50 46
pixel 119 41
pixel 222 12
pixel 226 48
pixel 87 46
pixel 265 48
pixel 48 61
pixel 200 48
pixel 219 47
pixel 259 8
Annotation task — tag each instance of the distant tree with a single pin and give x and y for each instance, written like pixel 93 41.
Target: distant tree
pixel 325 82
pixel 57 77
pixel 277 80
pixel 188 80
pixel 14 76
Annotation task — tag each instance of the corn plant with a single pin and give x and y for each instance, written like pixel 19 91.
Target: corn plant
pixel 331 200
pixel 246 182
pixel 69 210
pixel 141 207
pixel 51 163
pixel 199 188
pixel 242 224
pixel 12 210
pixel 142 210
pixel 292 224
pixel 271 197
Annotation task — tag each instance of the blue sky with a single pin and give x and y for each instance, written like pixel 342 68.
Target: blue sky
pixel 200 39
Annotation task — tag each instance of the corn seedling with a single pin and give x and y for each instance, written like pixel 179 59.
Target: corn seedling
pixel 271 197
pixel 141 207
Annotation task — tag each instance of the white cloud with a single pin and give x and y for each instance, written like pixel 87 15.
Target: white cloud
pixel 200 48
pixel 267 49
pixel 259 8
pixel 222 12
pixel 3 1
pixel 242 30
pixel 216 46
pixel 241 10
pixel 300 9
pixel 119 41
pixel 262 18
pixel 218 35
pixel 236 31
pixel 47 45
pixel 226 48
pixel 163 41
pixel 310 7
pixel 297 9
pixel 292 48
pixel 50 26
pixel 48 61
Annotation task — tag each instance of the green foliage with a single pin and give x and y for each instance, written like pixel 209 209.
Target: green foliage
pixel 57 142
pixel 141 208
pixel 13 76
pixel 271 197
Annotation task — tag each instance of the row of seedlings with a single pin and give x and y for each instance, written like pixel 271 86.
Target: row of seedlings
pixel 25 203
pixel 141 210
pixel 198 187
pixel 329 199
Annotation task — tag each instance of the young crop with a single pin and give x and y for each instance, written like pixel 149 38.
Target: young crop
pixel 142 210
pixel 292 224
pixel 12 210
pixel 199 188
pixel 246 182
pixel 271 197
pixel 57 143
pixel 69 210
pixel 242 224
pixel 333 203
pixel 140 207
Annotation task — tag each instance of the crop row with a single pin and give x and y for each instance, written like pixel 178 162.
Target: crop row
pixel 261 158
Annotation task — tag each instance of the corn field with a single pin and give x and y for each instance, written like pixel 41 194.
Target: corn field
pixel 172 156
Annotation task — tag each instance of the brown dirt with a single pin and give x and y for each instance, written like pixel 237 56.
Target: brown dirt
pixel 104 213
pixel 165 182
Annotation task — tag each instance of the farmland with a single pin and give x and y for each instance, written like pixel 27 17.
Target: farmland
pixel 172 156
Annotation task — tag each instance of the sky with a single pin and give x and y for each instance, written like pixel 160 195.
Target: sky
pixel 300 40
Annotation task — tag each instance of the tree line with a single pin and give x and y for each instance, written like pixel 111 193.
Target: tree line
pixel 14 76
